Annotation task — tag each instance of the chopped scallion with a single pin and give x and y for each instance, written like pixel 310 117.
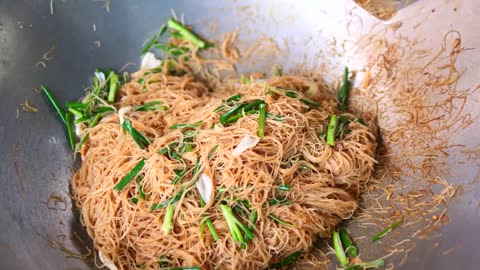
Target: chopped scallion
pixel 343 91
pixel 285 187
pixel 138 137
pixel 186 34
pixel 212 152
pixel 261 120
pixel 339 251
pixel 277 219
pixel 287 260
pixel 386 230
pixel 130 175
pixel 54 102
pixel 236 227
pixel 373 264
pixel 348 244
pixel 70 133
pixel 332 130
pixel 114 84
pixel 181 126
pixel 149 106
pixel 170 200
pixel 167 225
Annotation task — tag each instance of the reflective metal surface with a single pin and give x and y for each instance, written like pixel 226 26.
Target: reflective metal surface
pixel 35 161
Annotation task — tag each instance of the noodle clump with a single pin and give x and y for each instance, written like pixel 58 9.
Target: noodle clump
pixel 321 183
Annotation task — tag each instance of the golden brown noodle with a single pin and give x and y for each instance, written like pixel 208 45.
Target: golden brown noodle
pixel 130 234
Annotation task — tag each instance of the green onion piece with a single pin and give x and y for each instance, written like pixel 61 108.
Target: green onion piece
pixel 285 187
pixel 161 260
pixel 138 137
pixel 180 126
pixel 291 94
pixel 342 129
pixel 235 226
pixel 173 155
pixel 167 202
pixel 168 219
pixel 103 110
pixel 337 246
pixel 281 201
pixel 358 120
pixel 212 152
pixel 277 219
pixel 386 230
pixel 209 223
pixel 114 84
pixel 154 40
pixel 82 141
pixel 75 112
pixel 70 133
pixel 287 260
pixel 332 130
pixel 76 105
pixel 134 200
pixel 235 110
pixel 141 194
pixel 343 92
pixel 54 102
pixel 186 34
pixel 149 106
pixel 229 101
pixel 130 175
pixel 310 102
pixel 261 120
pixel 373 264
pixel 276 117
pixel 348 244
pixel 82 119
pixel 94 120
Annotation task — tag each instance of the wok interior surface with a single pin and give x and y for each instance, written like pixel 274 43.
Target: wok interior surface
pixel 38 231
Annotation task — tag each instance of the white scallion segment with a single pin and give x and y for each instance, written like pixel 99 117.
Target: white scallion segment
pixel 149 61
pixel 79 129
pixel 122 112
pixel 205 187
pixel 101 78
pixel 106 261
pixel 247 142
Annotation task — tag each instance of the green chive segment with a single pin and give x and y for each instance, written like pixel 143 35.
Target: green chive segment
pixel 287 260
pixel 186 34
pixel 348 244
pixel 368 265
pixel 54 102
pixel 386 230
pixel 138 137
pixel 236 227
pixel 343 91
pixel 130 175
pixel 339 251
pixel 332 130
pixel 167 225
pixel 114 84
pixel 261 120
pixel 70 133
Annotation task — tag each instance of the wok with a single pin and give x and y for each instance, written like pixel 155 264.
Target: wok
pixel 36 162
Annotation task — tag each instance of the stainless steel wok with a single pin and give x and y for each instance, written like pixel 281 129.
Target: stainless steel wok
pixel 36 162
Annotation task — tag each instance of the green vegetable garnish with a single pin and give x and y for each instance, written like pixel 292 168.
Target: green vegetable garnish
pixel 170 200
pixel 181 268
pixel 54 102
pixel 168 219
pixel 306 101
pixel 236 227
pixel 332 130
pixel 82 141
pixel 75 112
pixel 261 120
pixel 281 201
pixel 94 121
pixel 343 92
pixel 150 106
pixel 76 105
pixel 287 260
pixel 130 175
pixel 209 223
pixel 184 33
pixel 138 137
pixel 154 40
pixel 181 126
pixel 70 133
pixel 279 220
pixel 386 230
pixel 339 251
pixel 276 117
pixel 373 264
pixel 285 187
pixel 348 244
pixel 114 84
